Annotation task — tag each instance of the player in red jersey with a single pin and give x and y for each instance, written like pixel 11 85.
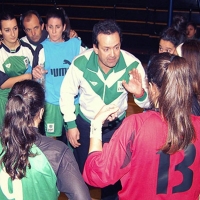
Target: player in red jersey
pixel 155 154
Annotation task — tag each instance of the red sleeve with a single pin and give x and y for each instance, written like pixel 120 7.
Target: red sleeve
pixel 106 167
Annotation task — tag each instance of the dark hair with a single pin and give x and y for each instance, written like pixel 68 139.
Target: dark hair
pixel 192 24
pixel 60 14
pixel 191 52
pixel 176 34
pixel 179 23
pixel 106 27
pixel 172 35
pixel 171 75
pixel 28 15
pixel 25 100
pixel 6 15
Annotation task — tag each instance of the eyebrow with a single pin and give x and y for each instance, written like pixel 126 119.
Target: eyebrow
pixel 11 28
pixel 111 47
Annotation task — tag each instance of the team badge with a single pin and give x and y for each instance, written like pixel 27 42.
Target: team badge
pixel 50 128
pixel 26 62
pixel 120 87
pixel 8 65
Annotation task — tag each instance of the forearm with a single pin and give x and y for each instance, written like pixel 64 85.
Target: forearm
pixel 11 81
pixel 95 145
pixel 95 136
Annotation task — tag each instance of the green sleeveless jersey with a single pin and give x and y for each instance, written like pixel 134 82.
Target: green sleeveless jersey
pixel 13 64
pixel 39 183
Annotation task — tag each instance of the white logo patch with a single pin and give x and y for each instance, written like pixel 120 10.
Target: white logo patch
pixel 120 87
pixel 93 83
pixel 8 66
pixel 50 128
pixel 26 62
pixel 17 192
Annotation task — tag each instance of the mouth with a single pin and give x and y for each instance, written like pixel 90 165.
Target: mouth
pixel 112 60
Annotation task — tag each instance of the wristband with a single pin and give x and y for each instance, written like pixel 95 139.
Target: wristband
pixel 96 130
pixel 137 97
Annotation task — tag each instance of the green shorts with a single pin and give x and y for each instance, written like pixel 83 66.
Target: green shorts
pixel 53 120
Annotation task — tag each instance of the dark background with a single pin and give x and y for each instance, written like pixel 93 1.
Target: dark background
pixel 141 20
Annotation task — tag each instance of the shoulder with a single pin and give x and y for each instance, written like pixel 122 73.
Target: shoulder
pixel 38 48
pixel 54 150
pixel 49 144
pixel 142 119
pixel 85 55
pixel 83 58
pixel 196 121
pixel 26 45
pixel 128 57
pixel 46 41
pixel 24 39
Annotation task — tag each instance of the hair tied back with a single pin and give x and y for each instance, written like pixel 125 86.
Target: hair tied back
pixel 19 95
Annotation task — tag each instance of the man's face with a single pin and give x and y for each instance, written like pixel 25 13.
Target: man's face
pixel 32 28
pixel 166 46
pixel 9 31
pixel 108 50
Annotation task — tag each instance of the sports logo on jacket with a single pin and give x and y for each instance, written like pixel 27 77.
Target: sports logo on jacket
pixel 26 62
pixel 8 65
pixel 120 87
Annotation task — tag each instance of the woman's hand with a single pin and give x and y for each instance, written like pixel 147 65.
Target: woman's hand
pixel 107 112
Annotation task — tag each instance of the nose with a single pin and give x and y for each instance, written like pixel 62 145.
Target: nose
pixel 32 32
pixel 12 32
pixel 54 30
pixel 112 52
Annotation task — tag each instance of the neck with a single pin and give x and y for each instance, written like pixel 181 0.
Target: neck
pixel 57 41
pixel 11 46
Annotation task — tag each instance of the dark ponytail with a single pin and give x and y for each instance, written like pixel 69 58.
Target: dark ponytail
pixel 18 134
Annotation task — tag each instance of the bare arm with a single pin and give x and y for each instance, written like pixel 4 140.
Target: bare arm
pixel 11 81
pixel 109 112
pixel 38 72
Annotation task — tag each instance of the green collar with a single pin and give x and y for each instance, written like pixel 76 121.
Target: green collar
pixel 93 64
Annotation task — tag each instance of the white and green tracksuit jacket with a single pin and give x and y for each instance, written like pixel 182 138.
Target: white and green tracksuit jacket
pixel 97 89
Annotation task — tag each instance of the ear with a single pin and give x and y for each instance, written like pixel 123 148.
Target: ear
pixel 1 32
pixel 96 50
pixel 41 113
pixel 42 26
pixel 150 87
pixel 153 89
pixel 64 27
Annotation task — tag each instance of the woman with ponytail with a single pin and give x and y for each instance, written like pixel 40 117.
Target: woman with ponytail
pixel 155 154
pixel 55 54
pixel 33 166
pixel 173 36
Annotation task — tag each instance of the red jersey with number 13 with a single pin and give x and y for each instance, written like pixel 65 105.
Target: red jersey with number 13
pixel 133 156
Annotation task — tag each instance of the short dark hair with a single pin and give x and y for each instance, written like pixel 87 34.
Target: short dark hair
pixel 29 13
pixel 107 27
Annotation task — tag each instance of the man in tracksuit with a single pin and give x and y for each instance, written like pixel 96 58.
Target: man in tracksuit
pixel 102 76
